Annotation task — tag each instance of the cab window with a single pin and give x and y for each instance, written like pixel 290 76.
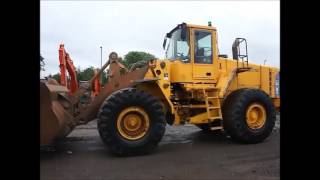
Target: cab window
pixel 202 47
pixel 178 49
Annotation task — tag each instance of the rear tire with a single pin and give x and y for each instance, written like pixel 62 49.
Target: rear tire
pixel 108 124
pixel 235 115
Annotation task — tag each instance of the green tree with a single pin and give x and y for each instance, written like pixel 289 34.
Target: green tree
pixel 83 75
pixel 56 77
pixel 136 56
pixel 88 73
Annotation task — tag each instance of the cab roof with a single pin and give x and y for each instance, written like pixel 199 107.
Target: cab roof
pixel 201 27
pixel 190 26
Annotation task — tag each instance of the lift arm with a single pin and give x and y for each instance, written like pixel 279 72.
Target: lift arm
pixel 67 64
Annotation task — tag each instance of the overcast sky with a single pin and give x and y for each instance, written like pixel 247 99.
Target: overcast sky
pixel 124 26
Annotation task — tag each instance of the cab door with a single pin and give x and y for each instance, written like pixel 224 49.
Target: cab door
pixel 202 54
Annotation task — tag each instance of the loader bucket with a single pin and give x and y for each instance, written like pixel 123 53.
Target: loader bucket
pixel 54 115
pixel 61 110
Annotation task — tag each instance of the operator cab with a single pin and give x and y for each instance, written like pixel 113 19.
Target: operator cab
pixel 193 49
pixel 177 44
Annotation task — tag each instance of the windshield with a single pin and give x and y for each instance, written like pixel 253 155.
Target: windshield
pixel 177 48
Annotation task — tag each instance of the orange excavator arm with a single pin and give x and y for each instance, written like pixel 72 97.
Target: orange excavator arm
pixel 96 84
pixel 67 64
pixel 62 61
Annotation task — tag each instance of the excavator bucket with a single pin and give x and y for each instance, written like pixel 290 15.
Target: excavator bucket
pixel 55 119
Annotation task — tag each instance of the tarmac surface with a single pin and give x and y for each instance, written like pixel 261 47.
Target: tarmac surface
pixel 185 152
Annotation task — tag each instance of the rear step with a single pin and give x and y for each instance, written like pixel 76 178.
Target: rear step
pixel 216 128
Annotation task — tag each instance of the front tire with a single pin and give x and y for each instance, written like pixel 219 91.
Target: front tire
pixel 131 122
pixel 248 115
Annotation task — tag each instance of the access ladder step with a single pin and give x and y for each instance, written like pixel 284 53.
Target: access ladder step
pixel 216 128
pixel 213 107
pixel 216 117
pixel 213 97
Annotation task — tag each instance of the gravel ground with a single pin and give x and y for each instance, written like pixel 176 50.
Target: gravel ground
pixel 185 152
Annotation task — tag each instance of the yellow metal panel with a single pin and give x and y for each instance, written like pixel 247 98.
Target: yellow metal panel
pixel 199 118
pixel 262 77
pixel 200 71
pixel 163 83
pixel 249 79
pixel 180 72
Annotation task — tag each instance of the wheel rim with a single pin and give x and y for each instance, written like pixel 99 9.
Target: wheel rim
pixel 133 123
pixel 256 116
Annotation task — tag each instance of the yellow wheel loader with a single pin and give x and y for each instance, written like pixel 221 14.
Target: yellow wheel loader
pixel 194 84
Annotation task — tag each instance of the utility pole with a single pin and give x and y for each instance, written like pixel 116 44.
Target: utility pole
pixel 101 63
